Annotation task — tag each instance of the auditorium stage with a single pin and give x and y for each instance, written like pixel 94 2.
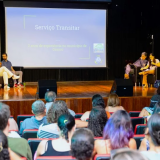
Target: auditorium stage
pixel 76 94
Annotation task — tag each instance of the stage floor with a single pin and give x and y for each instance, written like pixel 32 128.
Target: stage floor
pixel 70 90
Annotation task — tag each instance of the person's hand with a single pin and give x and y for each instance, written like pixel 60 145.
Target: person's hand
pixel 153 63
pixel 13 72
pixel 141 69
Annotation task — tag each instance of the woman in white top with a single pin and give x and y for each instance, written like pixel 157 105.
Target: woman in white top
pixel 149 69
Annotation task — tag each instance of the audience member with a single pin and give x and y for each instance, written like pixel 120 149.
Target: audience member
pixel 118 133
pixel 13 124
pixel 50 98
pixel 5 152
pixel 146 111
pixel 60 146
pixel 39 110
pixel 127 154
pixel 17 145
pixel 97 101
pixel 113 103
pixel 50 130
pixel 152 134
pixel 97 121
pixel 82 144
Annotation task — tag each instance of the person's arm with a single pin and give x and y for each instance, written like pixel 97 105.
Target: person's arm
pixel 143 146
pixel 40 149
pixel 85 116
pixel 12 69
pixel 81 124
pixel 132 144
pixel 146 67
pixel 13 156
pixel 22 127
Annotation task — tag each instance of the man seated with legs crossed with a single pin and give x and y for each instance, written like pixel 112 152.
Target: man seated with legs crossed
pixel 6 74
pixel 9 66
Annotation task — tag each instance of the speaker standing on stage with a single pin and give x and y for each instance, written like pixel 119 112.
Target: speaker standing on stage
pixel 149 69
pixel 141 62
pixel 9 66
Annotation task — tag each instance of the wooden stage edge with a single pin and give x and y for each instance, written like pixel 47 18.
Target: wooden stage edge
pixel 77 95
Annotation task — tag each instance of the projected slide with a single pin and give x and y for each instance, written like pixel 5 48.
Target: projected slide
pixel 45 37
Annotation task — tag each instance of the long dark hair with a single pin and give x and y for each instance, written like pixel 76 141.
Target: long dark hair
pixel 97 121
pixel 4 153
pixel 154 128
pixel 65 123
pixel 149 60
pixel 119 129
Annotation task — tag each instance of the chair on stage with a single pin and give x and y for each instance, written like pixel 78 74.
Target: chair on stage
pixel 102 157
pixel 140 128
pixel 138 139
pixel 151 78
pixel 29 133
pixel 78 115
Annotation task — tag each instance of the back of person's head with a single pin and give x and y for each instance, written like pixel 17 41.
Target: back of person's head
pixel 82 144
pixel 98 101
pixel 97 121
pixel 127 154
pixel 50 96
pixel 66 122
pixel 58 108
pixel 4 153
pixel 156 108
pixel 4 115
pixel 158 90
pixel 38 107
pixel 154 128
pixel 113 100
pixel 119 129
pixel 154 100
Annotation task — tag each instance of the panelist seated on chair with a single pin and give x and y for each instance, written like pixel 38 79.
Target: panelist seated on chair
pixel 9 66
pixel 141 62
pixel 6 74
pixel 149 69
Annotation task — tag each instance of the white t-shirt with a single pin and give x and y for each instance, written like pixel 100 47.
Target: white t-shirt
pixel 151 155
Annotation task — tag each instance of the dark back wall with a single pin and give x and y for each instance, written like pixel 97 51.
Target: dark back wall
pixel 130 25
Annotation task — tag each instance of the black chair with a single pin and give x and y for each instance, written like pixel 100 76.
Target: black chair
pixel 134 113
pixel 102 157
pixel 30 133
pixel 140 128
pixel 78 115
pixel 136 120
pixel 55 158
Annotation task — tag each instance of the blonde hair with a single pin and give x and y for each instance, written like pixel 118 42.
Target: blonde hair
pixel 113 100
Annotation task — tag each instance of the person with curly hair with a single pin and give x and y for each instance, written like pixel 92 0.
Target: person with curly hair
pixel 97 121
pixel 60 146
pixel 82 144
pixel 50 130
pixel 118 133
pixel 152 134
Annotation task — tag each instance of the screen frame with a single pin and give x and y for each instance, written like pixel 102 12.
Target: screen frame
pixel 64 5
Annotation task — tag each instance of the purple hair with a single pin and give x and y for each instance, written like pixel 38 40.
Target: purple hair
pixel 118 129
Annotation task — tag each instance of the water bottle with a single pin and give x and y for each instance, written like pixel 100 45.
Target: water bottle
pixel 24 84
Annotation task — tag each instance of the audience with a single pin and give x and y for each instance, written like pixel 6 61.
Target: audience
pixel 128 154
pixel 146 111
pixel 39 110
pixel 97 121
pixel 118 133
pixel 50 98
pixel 82 144
pixel 113 103
pixel 5 152
pixel 13 124
pixel 51 130
pixel 97 101
pixel 17 145
pixel 60 146
pixel 152 134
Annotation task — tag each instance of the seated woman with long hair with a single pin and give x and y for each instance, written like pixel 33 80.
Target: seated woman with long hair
pixel 152 134
pixel 118 133
pixel 97 121
pixel 149 69
pixel 60 146
pixel 113 103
